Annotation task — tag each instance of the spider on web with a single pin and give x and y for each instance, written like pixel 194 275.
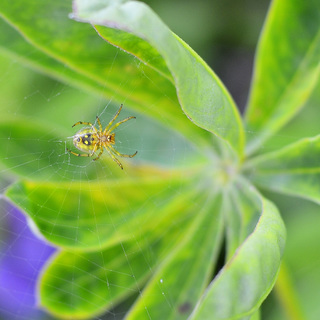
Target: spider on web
pixel 91 139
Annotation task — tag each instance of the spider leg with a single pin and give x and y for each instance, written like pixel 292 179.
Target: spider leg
pixel 120 122
pixel 83 122
pixel 121 154
pixel 112 120
pixel 80 154
pixel 114 158
pixel 99 155
pixel 99 123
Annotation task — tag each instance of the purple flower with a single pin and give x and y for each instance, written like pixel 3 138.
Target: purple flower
pixel 22 257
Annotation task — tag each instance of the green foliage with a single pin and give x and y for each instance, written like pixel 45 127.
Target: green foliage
pixel 250 274
pixel 148 229
pixel 293 170
pixel 287 67
pixel 88 231
pixel 197 92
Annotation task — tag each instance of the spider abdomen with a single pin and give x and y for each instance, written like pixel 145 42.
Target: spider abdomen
pixel 85 140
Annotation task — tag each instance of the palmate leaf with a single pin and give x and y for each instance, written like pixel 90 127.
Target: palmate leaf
pixel 116 273
pixel 108 225
pixel 286 69
pixel 294 170
pixel 202 96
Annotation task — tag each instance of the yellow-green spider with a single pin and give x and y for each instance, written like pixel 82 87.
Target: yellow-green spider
pixel 91 139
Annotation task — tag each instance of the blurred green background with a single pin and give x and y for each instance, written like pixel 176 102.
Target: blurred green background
pixel 225 34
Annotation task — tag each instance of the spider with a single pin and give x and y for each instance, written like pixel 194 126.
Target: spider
pixel 90 140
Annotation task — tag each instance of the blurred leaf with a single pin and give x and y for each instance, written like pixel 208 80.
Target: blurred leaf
pixel 303 126
pixel 287 296
pixel 302 255
pixel 202 96
pixel 242 211
pixel 73 52
pixel 182 276
pixel 294 170
pixel 90 215
pixel 244 282
pixel 86 284
pixel 287 67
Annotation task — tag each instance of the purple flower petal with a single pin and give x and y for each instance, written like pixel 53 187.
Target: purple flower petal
pixel 21 259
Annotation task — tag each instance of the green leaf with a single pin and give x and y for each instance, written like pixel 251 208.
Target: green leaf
pixel 202 96
pixel 72 52
pixel 242 211
pixel 286 69
pixel 181 278
pixel 82 285
pixel 244 282
pixel 14 45
pixel 294 170
pixel 91 215
pixel 137 47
